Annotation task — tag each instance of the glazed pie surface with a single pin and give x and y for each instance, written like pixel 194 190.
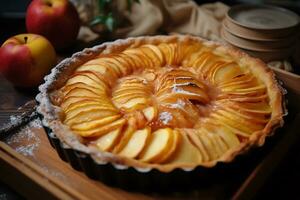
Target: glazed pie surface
pixel 165 102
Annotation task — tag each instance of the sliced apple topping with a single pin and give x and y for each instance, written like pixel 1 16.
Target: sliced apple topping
pixel 88 125
pixel 136 143
pixel 150 113
pixel 108 141
pixel 159 144
pixel 199 103
pixel 173 149
pixel 186 152
pixel 102 130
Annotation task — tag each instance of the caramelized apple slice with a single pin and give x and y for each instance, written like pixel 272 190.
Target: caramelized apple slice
pixel 122 98
pixel 153 58
pixel 186 153
pixel 259 118
pixel 226 73
pixel 81 78
pixel 233 126
pixel 103 70
pixel 127 134
pixel 108 141
pixel 82 92
pixel 239 80
pixel 102 130
pixel 98 78
pixel 94 123
pixel 192 134
pixel 175 144
pixel 229 137
pixel 84 102
pixel 140 58
pixel 109 63
pixel 157 52
pixel 86 115
pixel 69 101
pixel 136 144
pixel 159 144
pixel 209 144
pixel 150 113
pixel 96 89
pixel 134 103
pixel 170 52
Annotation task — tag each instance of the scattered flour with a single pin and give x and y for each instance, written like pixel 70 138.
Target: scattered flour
pixel 52 172
pixel 178 105
pixel 25 140
pixel 165 117
pixel 180 90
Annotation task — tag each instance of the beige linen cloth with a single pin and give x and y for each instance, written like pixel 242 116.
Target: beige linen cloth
pixel 152 16
pixel 180 16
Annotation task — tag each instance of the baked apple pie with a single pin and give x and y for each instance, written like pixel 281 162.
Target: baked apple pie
pixel 161 102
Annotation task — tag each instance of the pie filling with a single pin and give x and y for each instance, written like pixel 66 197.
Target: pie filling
pixel 168 103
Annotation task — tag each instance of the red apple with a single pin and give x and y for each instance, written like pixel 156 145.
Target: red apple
pixel 26 58
pixel 57 20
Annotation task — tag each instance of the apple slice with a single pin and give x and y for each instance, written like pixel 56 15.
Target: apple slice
pixel 120 63
pixel 107 63
pixel 136 144
pixel 209 144
pixel 187 152
pixel 192 134
pixel 175 145
pixel 127 134
pixel 251 117
pixel 243 79
pixel 85 115
pixel 82 92
pixel 95 89
pixel 228 72
pixel 79 105
pixel 97 77
pixel 109 140
pixel 201 61
pixel 233 126
pixel 68 101
pixel 127 96
pixel 130 64
pixel 84 102
pixel 100 69
pixel 157 52
pixel 229 137
pixel 186 49
pixel 150 113
pixel 140 58
pixel 94 123
pixel 155 60
pixel 159 144
pixel 132 103
pixel 102 130
pixel 234 116
pixel 81 78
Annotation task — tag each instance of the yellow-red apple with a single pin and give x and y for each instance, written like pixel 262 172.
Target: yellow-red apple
pixel 26 58
pixel 57 20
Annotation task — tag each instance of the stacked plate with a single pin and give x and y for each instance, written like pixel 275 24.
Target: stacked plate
pixel 267 32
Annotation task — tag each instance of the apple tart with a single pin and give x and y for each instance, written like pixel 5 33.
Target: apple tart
pixel 161 102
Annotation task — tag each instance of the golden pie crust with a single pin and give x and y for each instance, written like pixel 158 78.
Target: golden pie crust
pixel 189 102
